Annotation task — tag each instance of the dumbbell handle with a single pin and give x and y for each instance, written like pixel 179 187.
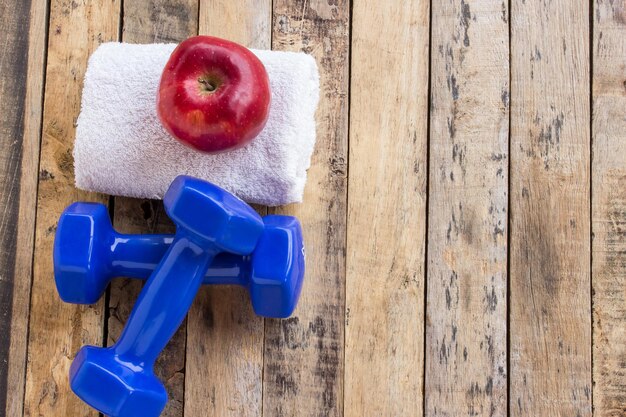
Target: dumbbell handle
pixel 164 301
pixel 136 256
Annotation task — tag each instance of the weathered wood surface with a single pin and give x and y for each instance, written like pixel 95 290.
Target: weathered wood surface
pixel 466 342
pixel 159 21
pixel 225 338
pixel 382 237
pixel 147 22
pixel 57 329
pixel 387 209
pixel 247 22
pixel 609 208
pixel 21 88
pixel 303 361
pixel 550 300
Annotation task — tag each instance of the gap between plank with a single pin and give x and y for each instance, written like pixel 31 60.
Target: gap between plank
pixel 187 318
pixel 271 30
pixel 508 230
pixel 591 53
pixel 345 269
pixel 426 223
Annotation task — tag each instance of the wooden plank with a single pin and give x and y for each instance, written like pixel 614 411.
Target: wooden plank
pixel 387 209
pixel 225 339
pixel 609 208
pixel 303 369
pixel 146 22
pixel 550 312
pixel 21 81
pixel 247 22
pixel 58 330
pixel 159 21
pixel 467 210
pixel 13 65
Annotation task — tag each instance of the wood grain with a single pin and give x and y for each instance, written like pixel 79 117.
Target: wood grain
pixel 303 369
pixel 550 329
pixel 225 338
pixel 58 330
pixel 247 22
pixel 21 89
pixel 159 21
pixel 466 320
pixel 609 208
pixel 13 66
pixel 298 368
pixel 387 209
pixel 147 22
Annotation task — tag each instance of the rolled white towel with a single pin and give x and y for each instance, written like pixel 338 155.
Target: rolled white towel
pixel 122 149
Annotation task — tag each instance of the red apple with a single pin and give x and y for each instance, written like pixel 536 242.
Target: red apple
pixel 214 94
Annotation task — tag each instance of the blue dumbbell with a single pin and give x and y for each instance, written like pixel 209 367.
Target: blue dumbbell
pixel 89 253
pixel 119 381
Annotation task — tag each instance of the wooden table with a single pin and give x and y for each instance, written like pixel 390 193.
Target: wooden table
pixel 465 213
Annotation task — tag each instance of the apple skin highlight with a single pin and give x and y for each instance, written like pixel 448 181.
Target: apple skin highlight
pixel 214 95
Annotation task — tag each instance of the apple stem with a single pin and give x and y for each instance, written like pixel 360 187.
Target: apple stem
pixel 207 85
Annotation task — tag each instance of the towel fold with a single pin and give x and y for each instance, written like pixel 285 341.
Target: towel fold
pixel 122 149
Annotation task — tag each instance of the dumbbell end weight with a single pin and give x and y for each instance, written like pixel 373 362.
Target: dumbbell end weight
pixel 82 251
pixel 277 275
pixel 101 379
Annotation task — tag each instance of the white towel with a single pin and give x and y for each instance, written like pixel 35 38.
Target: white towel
pixel 122 149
